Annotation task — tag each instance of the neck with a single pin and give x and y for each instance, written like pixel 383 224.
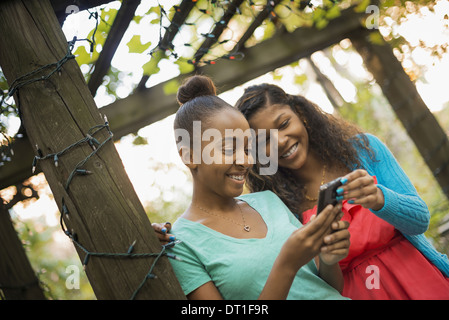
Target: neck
pixel 212 201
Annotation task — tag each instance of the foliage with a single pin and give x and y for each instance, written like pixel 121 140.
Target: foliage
pixel 50 266
pixel 49 251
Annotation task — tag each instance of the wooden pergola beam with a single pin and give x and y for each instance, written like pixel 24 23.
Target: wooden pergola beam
pixel 255 24
pixel 151 104
pixel 220 26
pixel 121 22
pixel 177 21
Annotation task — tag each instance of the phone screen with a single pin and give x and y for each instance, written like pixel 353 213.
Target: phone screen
pixel 328 194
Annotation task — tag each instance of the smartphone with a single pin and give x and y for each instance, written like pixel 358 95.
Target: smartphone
pixel 328 194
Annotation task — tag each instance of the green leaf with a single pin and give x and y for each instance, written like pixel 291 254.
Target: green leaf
pixel 108 16
pixel 171 87
pixel 151 67
pixel 184 66
pixel 138 141
pixel 321 24
pixel 135 45
pixel 300 79
pixel 82 56
pixel 318 14
pixel 361 7
pixel 333 12
pixel 137 19
pixel 376 38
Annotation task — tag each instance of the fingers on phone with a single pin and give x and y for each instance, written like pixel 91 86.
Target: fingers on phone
pixel 337 240
pixel 339 225
pixel 333 247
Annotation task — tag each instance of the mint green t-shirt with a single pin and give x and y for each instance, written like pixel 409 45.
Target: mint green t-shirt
pixel 239 268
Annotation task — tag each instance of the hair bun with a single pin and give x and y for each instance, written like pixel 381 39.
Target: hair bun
pixel 195 86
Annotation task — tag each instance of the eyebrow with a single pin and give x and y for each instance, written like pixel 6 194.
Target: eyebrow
pixel 278 117
pixel 228 140
pixel 276 120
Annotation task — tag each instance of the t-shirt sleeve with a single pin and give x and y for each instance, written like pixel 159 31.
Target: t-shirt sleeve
pixel 188 268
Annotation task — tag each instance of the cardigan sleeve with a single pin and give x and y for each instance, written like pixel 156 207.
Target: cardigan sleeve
pixel 403 207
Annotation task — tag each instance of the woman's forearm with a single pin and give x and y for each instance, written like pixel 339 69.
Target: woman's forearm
pixel 332 274
pixel 278 283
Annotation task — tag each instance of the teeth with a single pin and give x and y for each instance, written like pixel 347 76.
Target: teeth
pixel 240 178
pixel 290 152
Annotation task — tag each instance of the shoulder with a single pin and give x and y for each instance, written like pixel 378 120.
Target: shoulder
pixel 268 204
pixel 257 195
pixel 371 149
pixel 372 142
pixel 366 140
pixel 266 197
pixel 184 228
pixel 190 239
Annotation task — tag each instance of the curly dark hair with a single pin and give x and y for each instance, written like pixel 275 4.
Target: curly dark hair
pixel 333 139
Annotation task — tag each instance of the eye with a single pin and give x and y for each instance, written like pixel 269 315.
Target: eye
pixel 228 151
pixel 284 124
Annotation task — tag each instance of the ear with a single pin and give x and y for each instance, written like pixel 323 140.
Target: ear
pixel 187 157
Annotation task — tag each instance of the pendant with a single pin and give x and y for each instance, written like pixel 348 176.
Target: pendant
pixel 246 228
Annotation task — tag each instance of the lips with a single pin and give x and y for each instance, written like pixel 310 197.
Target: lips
pixel 238 176
pixel 290 151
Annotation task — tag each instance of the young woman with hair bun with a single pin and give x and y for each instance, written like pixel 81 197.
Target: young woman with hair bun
pixel 248 246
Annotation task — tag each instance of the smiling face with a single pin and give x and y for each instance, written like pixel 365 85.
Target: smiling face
pixel 227 176
pixel 293 139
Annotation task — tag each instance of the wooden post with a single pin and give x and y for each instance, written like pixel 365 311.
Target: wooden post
pixel 101 209
pixel 420 124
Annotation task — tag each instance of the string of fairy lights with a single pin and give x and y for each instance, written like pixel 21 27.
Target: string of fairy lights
pixel 210 11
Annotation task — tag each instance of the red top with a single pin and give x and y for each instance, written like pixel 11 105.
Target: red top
pixel 382 263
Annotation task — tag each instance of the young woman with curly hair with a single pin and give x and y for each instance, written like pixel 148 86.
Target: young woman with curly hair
pixel 389 256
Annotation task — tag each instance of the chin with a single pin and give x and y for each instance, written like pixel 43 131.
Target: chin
pixel 294 164
pixel 235 192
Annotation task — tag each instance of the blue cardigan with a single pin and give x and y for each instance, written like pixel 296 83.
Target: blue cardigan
pixel 403 207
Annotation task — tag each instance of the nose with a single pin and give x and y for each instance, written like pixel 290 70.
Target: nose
pixel 244 159
pixel 282 141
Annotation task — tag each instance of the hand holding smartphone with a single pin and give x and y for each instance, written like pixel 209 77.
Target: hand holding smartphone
pixel 328 194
